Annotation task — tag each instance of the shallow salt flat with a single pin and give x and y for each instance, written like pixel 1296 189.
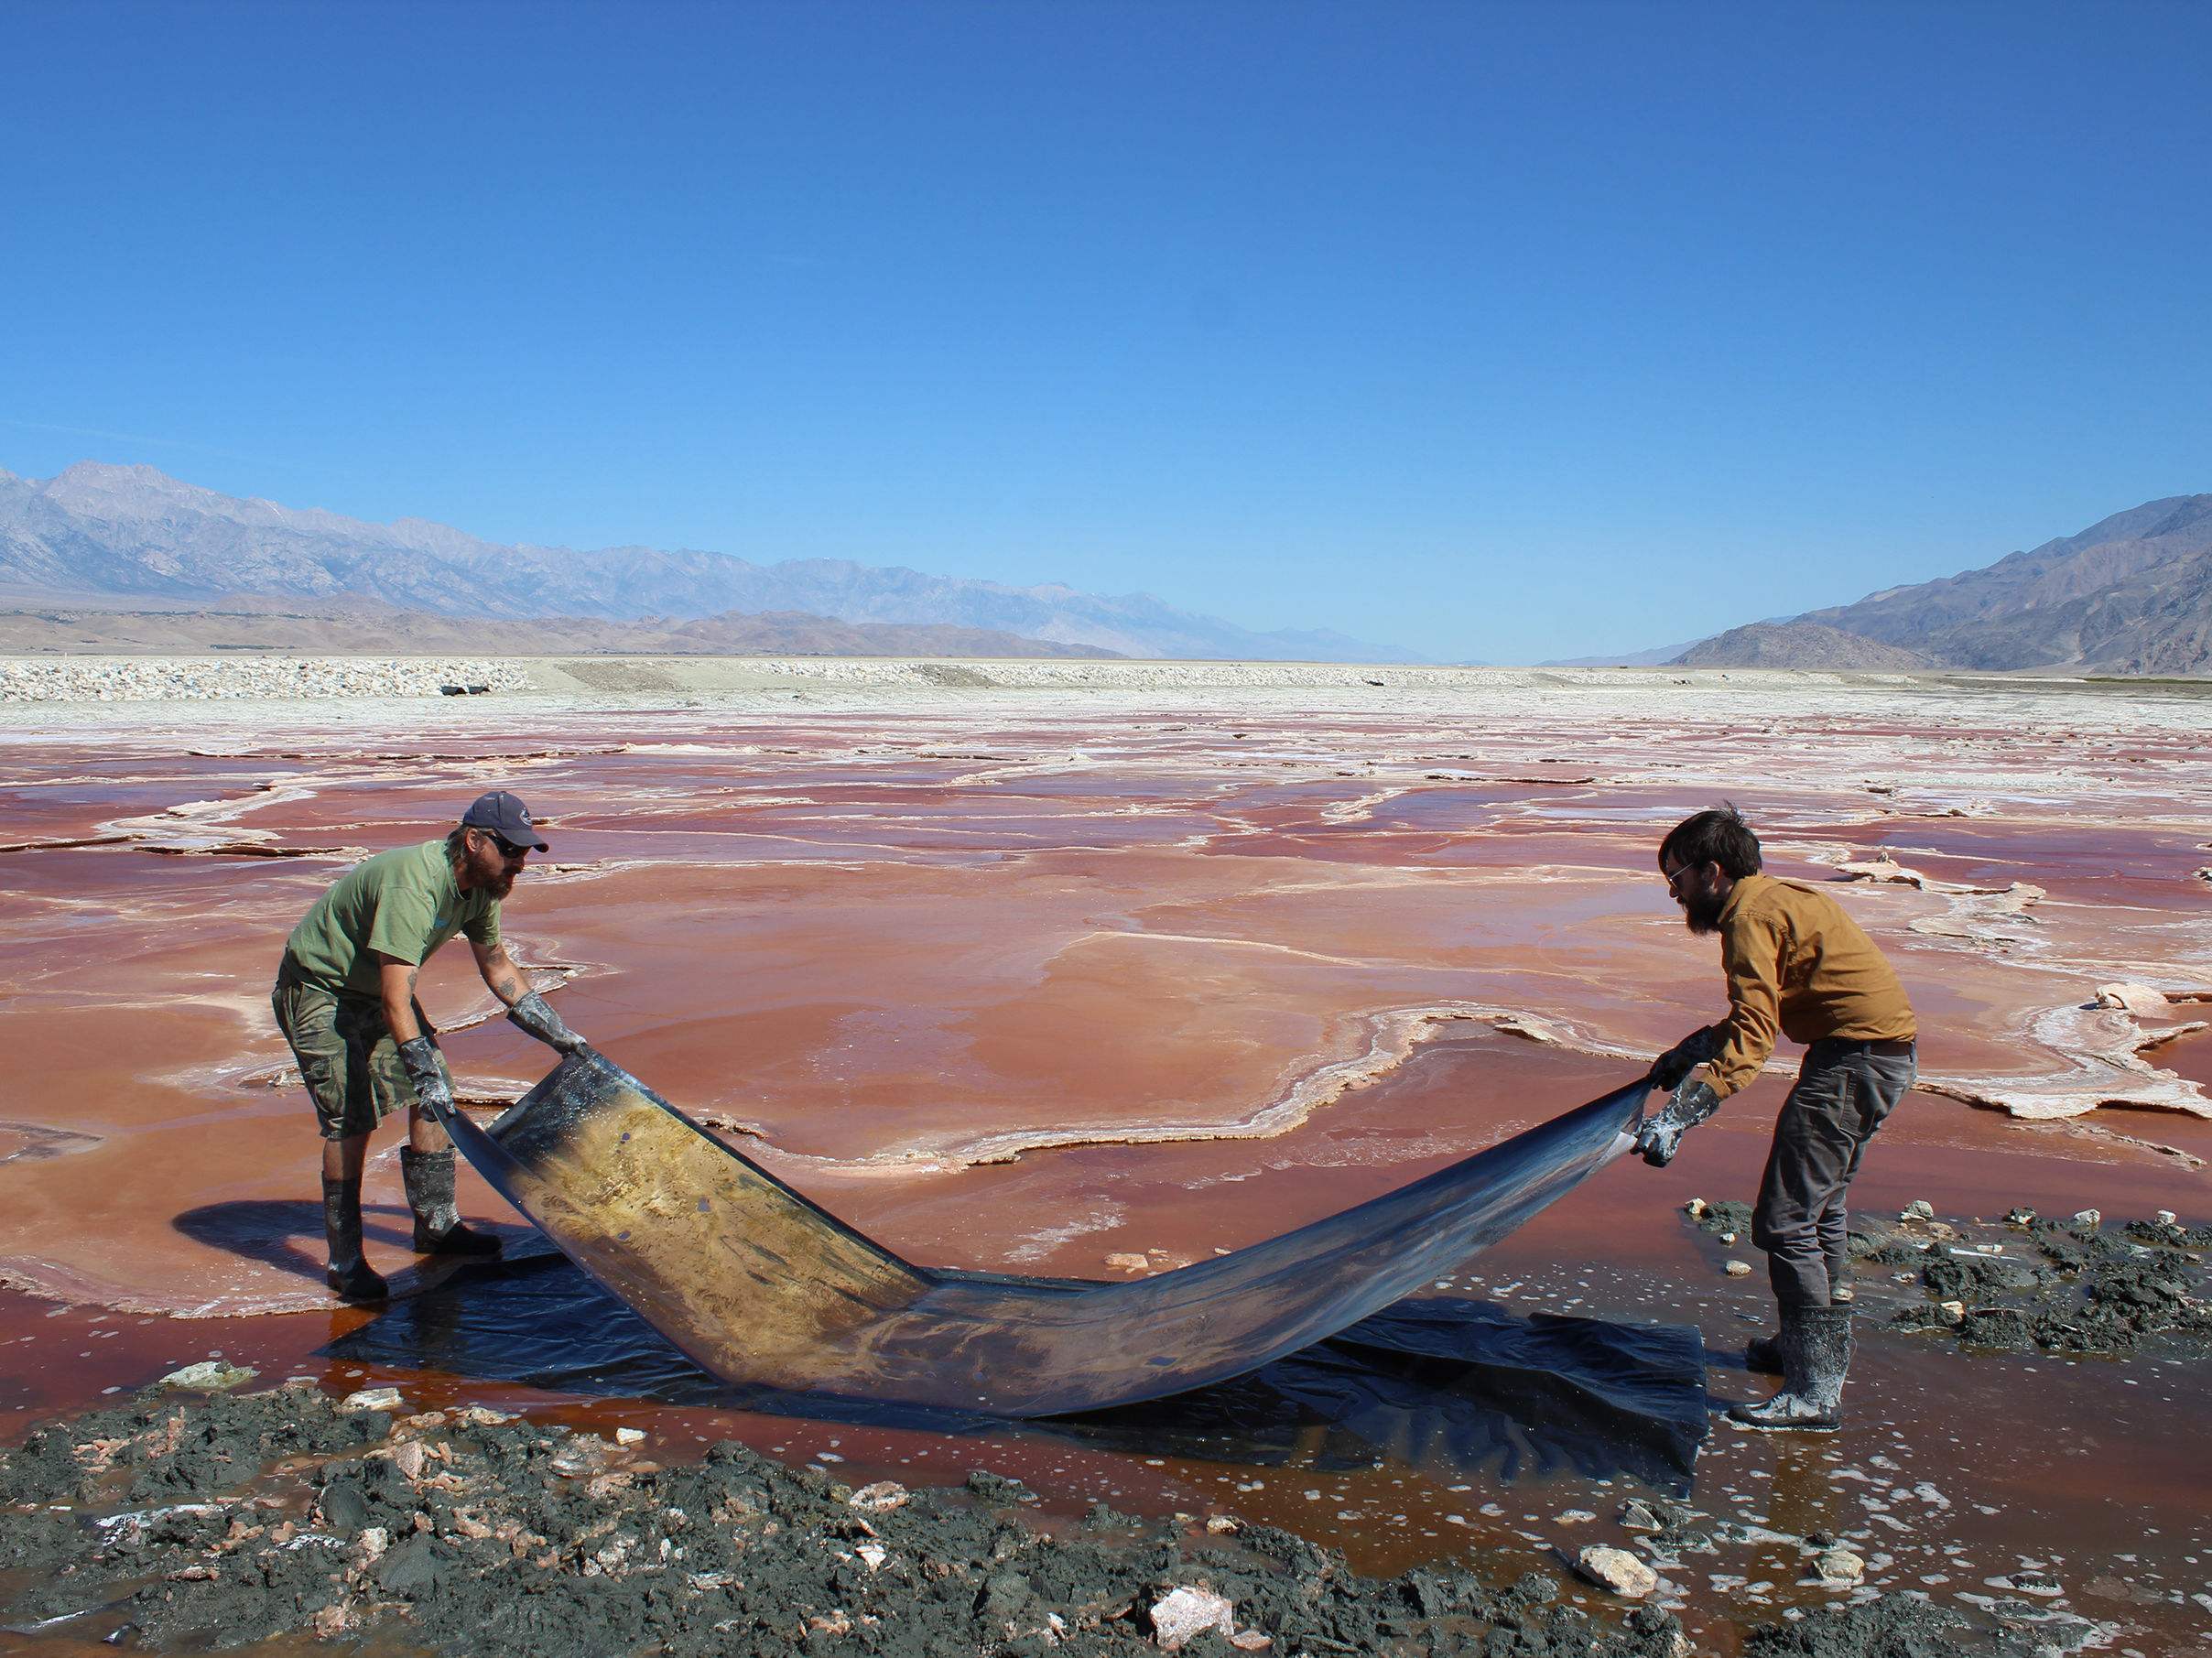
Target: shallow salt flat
pixel 895 933
pixel 1233 956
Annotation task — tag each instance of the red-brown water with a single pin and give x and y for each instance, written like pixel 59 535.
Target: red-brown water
pixel 1021 986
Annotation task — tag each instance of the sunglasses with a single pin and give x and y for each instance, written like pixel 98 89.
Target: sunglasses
pixel 507 849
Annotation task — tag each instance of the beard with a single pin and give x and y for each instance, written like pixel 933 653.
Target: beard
pixel 498 885
pixel 1701 913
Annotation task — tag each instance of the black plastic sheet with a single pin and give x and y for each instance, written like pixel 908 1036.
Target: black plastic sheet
pixel 760 1285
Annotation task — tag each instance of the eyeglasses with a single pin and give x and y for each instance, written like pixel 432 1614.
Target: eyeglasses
pixel 1675 879
pixel 507 849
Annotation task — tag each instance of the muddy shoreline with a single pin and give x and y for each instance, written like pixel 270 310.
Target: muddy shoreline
pixel 413 1516
pixel 243 1521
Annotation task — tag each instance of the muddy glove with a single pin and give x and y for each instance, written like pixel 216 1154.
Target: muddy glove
pixel 1685 1056
pixel 1661 1133
pixel 420 1057
pixel 535 1015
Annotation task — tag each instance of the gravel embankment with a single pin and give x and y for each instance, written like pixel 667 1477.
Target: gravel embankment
pixel 203 678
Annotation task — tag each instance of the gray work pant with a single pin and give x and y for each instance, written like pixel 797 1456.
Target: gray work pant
pixel 1844 1090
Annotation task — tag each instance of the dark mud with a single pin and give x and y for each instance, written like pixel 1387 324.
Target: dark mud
pixel 1909 1626
pixel 2026 1282
pixel 185 1525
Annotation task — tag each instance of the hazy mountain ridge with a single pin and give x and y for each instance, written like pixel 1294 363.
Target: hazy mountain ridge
pixel 2131 594
pixel 131 532
pixel 353 625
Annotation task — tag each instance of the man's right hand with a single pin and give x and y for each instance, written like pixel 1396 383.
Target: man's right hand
pixel 535 1015
pixel 420 1057
pixel 1685 1056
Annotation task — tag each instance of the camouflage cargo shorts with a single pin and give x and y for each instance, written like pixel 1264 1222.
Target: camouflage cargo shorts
pixel 347 1057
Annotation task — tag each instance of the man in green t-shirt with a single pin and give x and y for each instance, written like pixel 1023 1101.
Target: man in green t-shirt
pixel 345 1002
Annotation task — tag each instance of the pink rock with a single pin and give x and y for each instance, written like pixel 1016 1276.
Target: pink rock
pixel 1182 1614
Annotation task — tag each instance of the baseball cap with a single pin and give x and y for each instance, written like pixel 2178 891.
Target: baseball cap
pixel 505 816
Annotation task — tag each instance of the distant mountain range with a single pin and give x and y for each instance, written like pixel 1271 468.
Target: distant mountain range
pixel 351 625
pixel 101 535
pixel 2131 594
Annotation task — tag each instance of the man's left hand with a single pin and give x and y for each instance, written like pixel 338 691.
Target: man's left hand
pixel 1660 1135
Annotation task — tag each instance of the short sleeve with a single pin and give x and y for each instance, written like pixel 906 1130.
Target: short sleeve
pixel 403 925
pixel 483 930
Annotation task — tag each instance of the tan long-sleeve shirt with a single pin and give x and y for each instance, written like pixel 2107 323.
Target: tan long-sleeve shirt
pixel 1799 967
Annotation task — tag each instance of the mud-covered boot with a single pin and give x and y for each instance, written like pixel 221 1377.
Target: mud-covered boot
pixel 1816 1353
pixel 350 1275
pixel 438 1228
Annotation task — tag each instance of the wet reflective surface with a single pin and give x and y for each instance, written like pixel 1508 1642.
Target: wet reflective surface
pixel 1014 986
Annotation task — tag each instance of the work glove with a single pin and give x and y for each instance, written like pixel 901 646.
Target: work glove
pixel 1685 1056
pixel 1661 1133
pixel 535 1015
pixel 420 1057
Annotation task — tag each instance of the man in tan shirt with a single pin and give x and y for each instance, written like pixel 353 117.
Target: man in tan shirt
pixel 1797 967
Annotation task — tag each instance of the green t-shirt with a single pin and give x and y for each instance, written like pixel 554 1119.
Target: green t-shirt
pixel 404 904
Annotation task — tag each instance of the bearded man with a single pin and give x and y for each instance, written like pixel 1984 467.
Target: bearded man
pixel 345 1002
pixel 1795 965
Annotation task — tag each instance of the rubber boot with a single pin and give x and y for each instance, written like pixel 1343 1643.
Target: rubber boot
pixel 438 1228
pixel 349 1275
pixel 1816 1353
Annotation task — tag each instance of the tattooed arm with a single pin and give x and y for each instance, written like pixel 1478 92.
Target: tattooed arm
pixel 527 1010
pixel 505 979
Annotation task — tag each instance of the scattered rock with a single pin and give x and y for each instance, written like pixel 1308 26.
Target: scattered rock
pixel 371 1399
pixel 1919 1209
pixel 880 1498
pixel 1617 1570
pixel 1835 1569
pixel 629 1436
pixel 1738 1269
pixel 2091 1218
pixel 1637 1516
pixel 209 1376
pixel 1129 1263
pixel 1694 1209
pixel 1182 1614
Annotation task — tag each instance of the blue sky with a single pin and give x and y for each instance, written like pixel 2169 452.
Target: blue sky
pixel 1497 332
